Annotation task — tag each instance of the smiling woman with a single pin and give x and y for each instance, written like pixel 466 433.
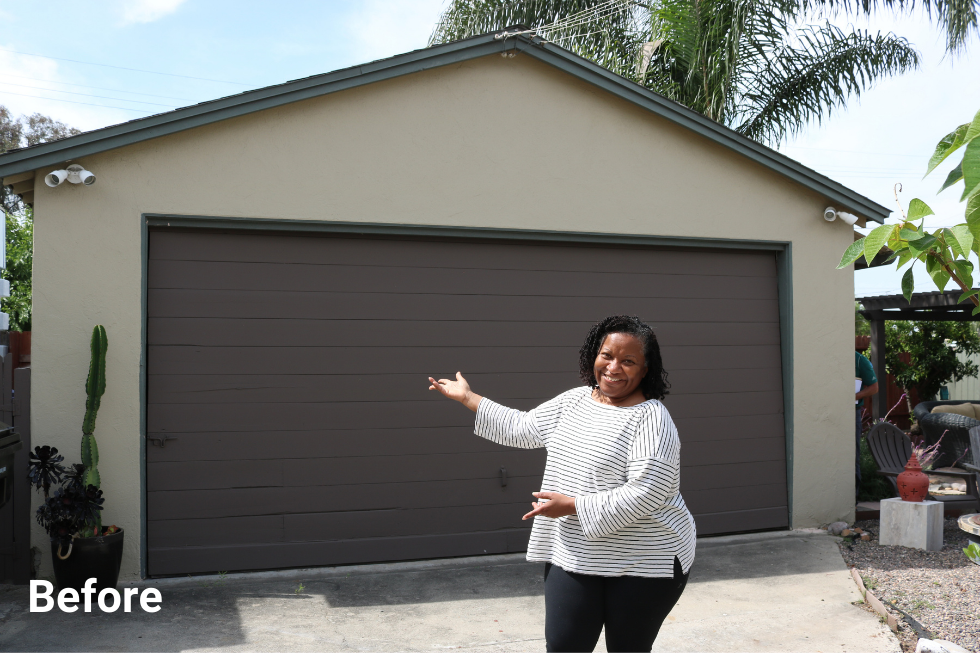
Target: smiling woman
pixel 615 535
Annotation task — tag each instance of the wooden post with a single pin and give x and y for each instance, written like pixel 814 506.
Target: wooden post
pixel 879 402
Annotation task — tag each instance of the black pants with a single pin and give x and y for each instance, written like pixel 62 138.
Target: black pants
pixel 632 609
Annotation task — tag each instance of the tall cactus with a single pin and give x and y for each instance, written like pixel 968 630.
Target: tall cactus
pixel 94 389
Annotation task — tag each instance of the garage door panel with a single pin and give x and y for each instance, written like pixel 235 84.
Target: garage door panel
pixel 292 371
pixel 423 412
pixel 740 521
pixel 251 332
pixel 207 504
pixel 179 560
pixel 286 388
pixel 725 404
pixel 741 497
pixel 426 361
pixel 320 443
pixel 689 385
pixel 252 529
pixel 733 450
pixel 167 302
pixel 730 474
pixel 208 275
pixel 399 523
pixel 286 472
pixel 452 254
pixel 708 429
pixel 336 525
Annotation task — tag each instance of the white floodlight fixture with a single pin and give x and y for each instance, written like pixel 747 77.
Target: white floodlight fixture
pixel 830 214
pixel 79 175
pixel 55 177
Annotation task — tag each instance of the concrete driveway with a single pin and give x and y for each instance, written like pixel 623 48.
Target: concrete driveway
pixel 785 591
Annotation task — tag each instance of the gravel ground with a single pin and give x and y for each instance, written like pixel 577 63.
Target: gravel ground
pixel 940 589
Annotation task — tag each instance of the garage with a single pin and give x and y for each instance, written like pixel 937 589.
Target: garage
pixel 289 422
pixel 279 271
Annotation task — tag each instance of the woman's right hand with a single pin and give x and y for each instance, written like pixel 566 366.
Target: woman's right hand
pixel 458 390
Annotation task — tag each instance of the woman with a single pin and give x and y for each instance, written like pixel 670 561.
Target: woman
pixel 616 538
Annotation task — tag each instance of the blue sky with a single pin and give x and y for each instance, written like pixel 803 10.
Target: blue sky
pixel 212 48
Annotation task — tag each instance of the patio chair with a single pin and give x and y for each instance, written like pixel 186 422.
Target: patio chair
pixel 891 449
pixel 974 452
pixel 951 427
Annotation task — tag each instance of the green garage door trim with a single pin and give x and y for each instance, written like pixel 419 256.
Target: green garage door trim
pixel 782 251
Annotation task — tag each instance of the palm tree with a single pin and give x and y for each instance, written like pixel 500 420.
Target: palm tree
pixel 752 65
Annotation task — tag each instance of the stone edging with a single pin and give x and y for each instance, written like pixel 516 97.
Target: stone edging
pixel 873 601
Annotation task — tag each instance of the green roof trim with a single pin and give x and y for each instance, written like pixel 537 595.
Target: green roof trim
pixel 135 131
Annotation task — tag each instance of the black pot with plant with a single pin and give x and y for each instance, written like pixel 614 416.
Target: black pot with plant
pixel 81 548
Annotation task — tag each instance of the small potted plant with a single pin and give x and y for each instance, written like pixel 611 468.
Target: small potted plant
pixel 81 548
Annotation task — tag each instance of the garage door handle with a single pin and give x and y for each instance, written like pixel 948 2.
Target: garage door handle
pixel 503 477
pixel 162 441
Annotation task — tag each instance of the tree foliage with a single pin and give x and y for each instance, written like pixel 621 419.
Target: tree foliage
pixel 25 131
pixel 756 66
pixel 946 251
pixel 932 348
pixel 20 261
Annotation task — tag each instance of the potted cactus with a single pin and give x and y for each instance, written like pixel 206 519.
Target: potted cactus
pixel 81 548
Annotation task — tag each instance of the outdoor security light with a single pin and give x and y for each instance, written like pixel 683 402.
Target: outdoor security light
pixel 55 178
pixel 830 214
pixel 75 174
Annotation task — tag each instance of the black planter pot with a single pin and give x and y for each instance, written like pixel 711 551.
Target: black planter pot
pixel 91 557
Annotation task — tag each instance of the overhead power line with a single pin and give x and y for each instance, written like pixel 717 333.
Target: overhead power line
pixel 135 70
pixel 104 97
pixel 97 88
pixel 90 104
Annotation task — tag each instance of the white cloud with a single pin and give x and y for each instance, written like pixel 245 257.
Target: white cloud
pixel 147 11
pixel 384 28
pixel 35 95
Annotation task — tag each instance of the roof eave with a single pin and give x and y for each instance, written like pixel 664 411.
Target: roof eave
pixel 198 115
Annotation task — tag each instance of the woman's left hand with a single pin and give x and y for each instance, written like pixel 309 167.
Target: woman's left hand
pixel 557 505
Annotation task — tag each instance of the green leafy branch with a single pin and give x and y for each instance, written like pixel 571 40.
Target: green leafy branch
pixel 946 251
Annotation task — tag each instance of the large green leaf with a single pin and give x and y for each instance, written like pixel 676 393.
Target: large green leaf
pixel 964 270
pixel 973 217
pixel 949 144
pixel 939 277
pixel 874 241
pixel 954 176
pixel 908 285
pixel 921 245
pixel 852 253
pixel 962 239
pixel 971 169
pixel 919 209
pixel 904 256
pixel 974 129
pixel 909 234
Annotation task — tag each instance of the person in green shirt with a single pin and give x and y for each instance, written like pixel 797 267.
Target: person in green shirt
pixel 869 387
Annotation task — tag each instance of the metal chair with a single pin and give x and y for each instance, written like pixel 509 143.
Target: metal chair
pixel 891 449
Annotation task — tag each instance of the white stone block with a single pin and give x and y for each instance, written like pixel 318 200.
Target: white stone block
pixel 915 525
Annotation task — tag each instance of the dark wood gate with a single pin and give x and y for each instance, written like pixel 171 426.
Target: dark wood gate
pixel 288 418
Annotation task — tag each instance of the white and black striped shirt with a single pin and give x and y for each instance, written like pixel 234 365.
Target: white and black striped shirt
pixel 622 465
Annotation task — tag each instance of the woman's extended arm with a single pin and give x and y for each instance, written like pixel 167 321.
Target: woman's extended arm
pixel 458 390
pixel 506 426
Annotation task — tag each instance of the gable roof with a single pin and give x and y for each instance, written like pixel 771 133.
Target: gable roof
pixel 134 131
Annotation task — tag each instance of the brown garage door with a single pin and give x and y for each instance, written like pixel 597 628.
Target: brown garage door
pixel 286 383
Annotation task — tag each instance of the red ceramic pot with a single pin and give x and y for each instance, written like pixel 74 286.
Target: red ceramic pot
pixel 913 485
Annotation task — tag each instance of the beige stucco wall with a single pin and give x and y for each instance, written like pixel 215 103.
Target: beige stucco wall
pixel 493 142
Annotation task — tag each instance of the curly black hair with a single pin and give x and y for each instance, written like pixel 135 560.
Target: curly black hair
pixel 654 385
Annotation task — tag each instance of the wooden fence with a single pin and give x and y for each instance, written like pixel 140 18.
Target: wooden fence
pixel 15 517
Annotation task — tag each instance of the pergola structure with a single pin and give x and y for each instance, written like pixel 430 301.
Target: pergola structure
pixel 933 306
